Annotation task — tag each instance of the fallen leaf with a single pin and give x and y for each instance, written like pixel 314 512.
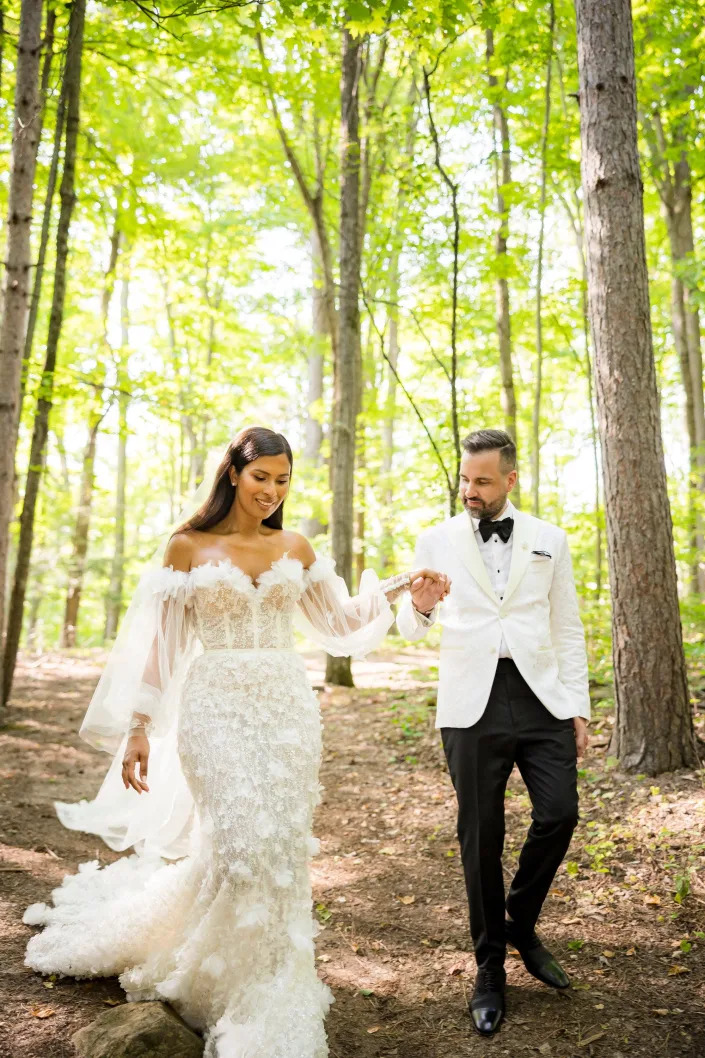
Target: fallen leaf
pixel 675 970
pixel 43 1012
pixel 591 1039
pixel 608 954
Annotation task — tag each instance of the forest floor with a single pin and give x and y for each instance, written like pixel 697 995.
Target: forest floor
pixel 626 915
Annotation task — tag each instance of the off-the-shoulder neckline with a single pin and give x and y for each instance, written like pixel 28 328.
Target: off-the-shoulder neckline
pixel 254 581
pixel 316 567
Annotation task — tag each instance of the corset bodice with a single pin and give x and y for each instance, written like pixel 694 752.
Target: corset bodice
pixel 228 611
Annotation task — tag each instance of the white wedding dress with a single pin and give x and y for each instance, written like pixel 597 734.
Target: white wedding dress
pixel 212 913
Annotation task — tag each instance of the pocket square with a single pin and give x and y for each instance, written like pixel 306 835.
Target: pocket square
pixel 544 554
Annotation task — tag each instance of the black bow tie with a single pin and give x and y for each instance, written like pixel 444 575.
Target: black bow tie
pixel 502 528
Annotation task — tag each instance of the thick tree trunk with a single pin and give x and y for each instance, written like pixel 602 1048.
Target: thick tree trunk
pixel 72 89
pixel 503 177
pixel 347 362
pixel 113 609
pixel 15 296
pixel 653 730
pixel 313 526
pixel 536 418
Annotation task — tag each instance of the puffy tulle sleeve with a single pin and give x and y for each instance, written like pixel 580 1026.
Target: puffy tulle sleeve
pixel 137 687
pixel 345 625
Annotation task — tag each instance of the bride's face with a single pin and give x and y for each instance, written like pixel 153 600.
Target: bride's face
pixel 262 485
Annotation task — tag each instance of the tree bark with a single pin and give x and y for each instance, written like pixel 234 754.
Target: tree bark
pixel 536 418
pixel 15 297
pixel 347 362
pixel 72 88
pixel 503 177
pixel 48 200
pixel 653 729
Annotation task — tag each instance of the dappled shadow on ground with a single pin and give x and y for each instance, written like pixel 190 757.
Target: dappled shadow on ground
pixel 388 886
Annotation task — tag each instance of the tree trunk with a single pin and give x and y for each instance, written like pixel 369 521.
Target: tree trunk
pixel 503 177
pixel 453 188
pixel 388 518
pixel 113 609
pixel 48 206
pixel 72 89
pixel 77 567
pixel 15 298
pixel 347 362
pixel 653 730
pixel 312 526
pixel 674 183
pixel 536 419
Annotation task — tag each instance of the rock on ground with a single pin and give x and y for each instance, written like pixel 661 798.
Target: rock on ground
pixel 138 1030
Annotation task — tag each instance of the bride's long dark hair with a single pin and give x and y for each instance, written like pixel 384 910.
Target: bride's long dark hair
pixel 248 445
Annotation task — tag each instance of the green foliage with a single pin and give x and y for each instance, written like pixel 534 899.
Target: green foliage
pixel 180 152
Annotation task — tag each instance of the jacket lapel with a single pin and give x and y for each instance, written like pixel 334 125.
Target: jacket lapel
pixel 463 539
pixel 525 532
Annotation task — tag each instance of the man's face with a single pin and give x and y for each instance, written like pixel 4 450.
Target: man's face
pixel 483 484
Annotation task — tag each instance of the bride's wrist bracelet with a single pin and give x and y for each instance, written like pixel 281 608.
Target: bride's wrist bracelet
pixel 140 727
pixel 394 586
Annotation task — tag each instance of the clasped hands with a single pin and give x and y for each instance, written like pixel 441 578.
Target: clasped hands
pixel 428 587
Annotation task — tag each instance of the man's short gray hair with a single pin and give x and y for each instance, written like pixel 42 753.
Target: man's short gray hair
pixel 488 441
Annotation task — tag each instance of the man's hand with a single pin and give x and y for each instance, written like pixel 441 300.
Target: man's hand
pixel 581 735
pixel 428 588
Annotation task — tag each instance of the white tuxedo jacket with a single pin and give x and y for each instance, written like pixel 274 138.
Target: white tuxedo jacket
pixel 538 615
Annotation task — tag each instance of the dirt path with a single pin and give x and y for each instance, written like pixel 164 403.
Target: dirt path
pixel 388 885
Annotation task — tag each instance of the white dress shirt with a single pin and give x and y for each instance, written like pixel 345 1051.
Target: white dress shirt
pixel 497 556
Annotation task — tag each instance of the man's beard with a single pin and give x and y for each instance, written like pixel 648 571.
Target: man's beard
pixel 486 510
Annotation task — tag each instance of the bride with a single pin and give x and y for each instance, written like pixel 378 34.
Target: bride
pixel 216 737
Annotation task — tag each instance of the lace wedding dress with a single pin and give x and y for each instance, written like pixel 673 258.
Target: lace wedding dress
pixel 213 912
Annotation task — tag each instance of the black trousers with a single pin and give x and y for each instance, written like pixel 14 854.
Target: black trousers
pixel 515 728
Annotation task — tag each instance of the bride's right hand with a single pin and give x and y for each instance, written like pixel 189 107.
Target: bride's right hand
pixel 136 752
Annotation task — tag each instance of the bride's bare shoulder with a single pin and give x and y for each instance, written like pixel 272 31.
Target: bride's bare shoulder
pixel 299 547
pixel 179 552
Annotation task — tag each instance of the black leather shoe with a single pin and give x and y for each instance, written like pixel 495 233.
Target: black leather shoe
pixel 538 960
pixel 487 1003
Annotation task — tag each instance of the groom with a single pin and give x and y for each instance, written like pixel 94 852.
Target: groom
pixel 513 689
